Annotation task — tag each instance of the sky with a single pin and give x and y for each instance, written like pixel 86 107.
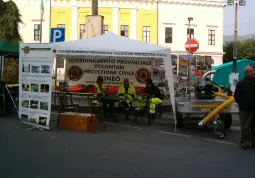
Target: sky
pixel 246 19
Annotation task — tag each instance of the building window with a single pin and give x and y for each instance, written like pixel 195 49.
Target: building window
pixel 146 34
pixel 37 32
pixel 105 29
pixel 124 30
pixel 61 26
pixel 211 37
pixel 168 35
pixel 191 33
pixel 82 30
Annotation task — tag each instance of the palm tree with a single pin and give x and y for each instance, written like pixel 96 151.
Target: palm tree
pixel 10 18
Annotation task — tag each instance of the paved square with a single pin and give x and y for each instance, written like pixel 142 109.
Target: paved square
pixel 121 151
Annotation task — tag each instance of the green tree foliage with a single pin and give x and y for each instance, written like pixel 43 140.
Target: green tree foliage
pixel 245 50
pixel 10 18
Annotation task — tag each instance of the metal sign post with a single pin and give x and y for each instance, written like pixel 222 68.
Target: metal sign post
pixel 234 77
pixel 235 3
pixel 191 46
pixel 235 38
pixel 189 57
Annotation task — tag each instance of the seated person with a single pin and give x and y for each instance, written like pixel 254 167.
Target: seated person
pixel 99 85
pixel 151 89
pixel 128 92
pixel 101 91
pixel 154 96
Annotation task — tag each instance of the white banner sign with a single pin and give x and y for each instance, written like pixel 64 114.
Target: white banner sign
pixel 35 80
pixel 86 69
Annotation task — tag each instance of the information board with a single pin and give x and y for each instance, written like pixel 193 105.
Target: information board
pixel 35 83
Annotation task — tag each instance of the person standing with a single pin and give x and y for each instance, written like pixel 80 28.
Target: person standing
pixel 245 98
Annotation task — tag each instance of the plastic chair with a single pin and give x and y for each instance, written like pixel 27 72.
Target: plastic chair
pixel 66 103
pixel 145 111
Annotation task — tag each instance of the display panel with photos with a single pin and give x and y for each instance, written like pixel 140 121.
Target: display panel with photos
pixel 204 63
pixel 199 64
pixel 174 58
pixel 35 76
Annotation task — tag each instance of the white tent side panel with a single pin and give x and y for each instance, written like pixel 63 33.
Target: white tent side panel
pixel 169 75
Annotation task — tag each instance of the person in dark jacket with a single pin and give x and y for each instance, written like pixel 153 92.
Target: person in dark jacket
pixel 155 98
pixel 245 97
pixel 152 90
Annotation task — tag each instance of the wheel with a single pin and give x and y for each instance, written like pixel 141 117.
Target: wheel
pixel 227 119
pixel 179 119
pixel 220 135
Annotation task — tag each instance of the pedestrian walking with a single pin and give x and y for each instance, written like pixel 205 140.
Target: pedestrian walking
pixel 245 97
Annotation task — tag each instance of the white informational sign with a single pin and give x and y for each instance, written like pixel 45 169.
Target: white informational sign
pixel 35 80
pixel 86 69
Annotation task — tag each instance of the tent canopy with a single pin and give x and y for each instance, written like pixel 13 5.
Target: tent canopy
pixel 7 48
pixel 111 42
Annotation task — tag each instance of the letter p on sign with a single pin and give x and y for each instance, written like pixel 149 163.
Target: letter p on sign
pixel 57 35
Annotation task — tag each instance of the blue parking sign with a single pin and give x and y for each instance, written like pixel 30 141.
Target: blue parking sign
pixel 57 35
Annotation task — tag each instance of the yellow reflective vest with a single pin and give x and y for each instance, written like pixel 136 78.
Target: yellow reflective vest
pixel 98 92
pixel 153 103
pixel 131 91
pixel 98 88
pixel 122 91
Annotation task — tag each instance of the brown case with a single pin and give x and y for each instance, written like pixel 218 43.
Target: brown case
pixel 77 121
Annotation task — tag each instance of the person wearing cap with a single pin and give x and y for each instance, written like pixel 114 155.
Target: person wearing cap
pixel 245 98
pixel 129 93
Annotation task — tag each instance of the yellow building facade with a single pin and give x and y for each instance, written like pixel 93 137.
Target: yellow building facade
pixel 164 22
pixel 127 18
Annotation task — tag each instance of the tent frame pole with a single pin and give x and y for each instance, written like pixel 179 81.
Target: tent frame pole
pixel 1 64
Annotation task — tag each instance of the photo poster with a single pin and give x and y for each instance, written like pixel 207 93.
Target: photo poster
pixel 86 69
pixel 204 63
pixel 182 74
pixel 35 83
pixel 174 59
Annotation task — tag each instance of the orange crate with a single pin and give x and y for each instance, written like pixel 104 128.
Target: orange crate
pixel 77 121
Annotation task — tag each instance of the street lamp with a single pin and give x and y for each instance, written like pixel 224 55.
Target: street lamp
pixel 233 78
pixel 190 19
pixel 235 3
pixel 189 58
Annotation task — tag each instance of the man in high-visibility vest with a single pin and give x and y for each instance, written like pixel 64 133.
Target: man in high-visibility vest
pixel 155 97
pixel 129 93
pixel 108 106
pixel 100 91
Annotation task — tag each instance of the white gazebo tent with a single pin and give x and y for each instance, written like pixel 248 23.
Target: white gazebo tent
pixel 111 44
